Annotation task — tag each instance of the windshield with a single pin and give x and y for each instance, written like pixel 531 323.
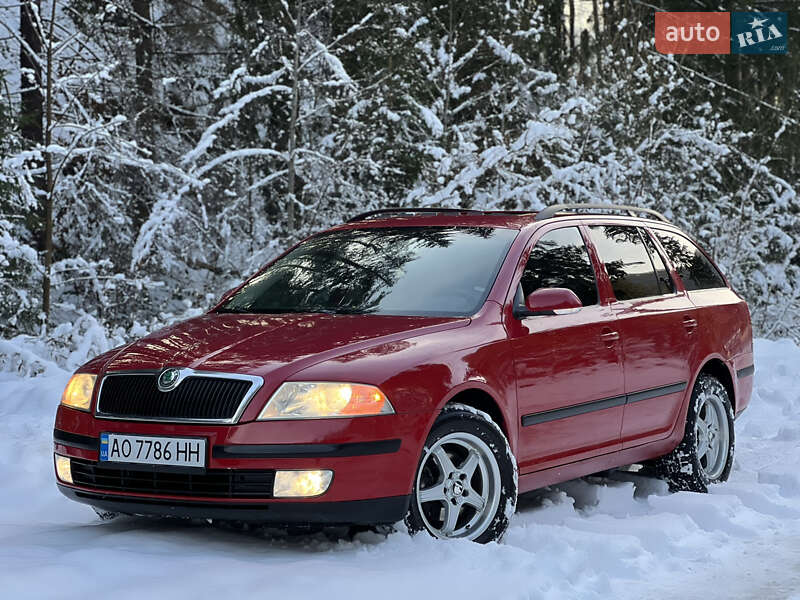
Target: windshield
pixel 410 271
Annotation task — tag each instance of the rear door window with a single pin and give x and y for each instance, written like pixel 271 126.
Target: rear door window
pixel 665 282
pixel 560 259
pixel 627 261
pixel 694 268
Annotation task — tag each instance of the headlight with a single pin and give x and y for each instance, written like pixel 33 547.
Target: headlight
pixel 78 393
pixel 317 400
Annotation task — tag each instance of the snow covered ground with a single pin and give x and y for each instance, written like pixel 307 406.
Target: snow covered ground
pixel 621 538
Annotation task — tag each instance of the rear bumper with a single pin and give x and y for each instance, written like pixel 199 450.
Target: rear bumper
pixel 745 369
pixel 375 511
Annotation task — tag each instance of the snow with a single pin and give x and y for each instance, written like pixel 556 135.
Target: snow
pixel 504 53
pixel 431 120
pixel 623 537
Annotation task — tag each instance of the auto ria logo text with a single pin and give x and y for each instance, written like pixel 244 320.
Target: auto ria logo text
pixel 721 32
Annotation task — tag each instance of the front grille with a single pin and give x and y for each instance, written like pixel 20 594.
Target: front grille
pixel 211 483
pixel 136 396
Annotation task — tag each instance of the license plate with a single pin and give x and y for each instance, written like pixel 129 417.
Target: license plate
pixel 153 450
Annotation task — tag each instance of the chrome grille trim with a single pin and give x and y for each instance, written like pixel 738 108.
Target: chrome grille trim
pixel 256 383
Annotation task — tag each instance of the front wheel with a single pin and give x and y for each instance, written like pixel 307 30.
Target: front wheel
pixel 466 481
pixel 705 455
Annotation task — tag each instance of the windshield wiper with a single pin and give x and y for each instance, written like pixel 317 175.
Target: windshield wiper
pixel 303 310
pixel 342 310
pixel 259 311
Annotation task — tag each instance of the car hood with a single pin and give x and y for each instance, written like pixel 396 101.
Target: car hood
pixel 261 344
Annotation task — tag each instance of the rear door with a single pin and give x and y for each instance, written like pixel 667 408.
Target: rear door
pixel 570 387
pixel 723 322
pixel 656 323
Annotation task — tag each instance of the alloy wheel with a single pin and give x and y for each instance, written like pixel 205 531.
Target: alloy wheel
pixel 712 434
pixel 458 486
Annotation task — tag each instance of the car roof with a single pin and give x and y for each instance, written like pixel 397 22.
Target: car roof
pixel 454 217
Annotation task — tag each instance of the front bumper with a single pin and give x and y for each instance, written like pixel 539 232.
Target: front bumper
pixel 373 460
pixel 374 511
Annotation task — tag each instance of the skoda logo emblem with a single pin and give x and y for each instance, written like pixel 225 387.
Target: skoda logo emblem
pixel 168 380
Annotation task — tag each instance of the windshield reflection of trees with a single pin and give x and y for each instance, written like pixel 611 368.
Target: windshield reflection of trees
pixel 349 271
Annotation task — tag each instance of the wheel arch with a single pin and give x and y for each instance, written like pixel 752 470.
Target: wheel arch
pixel 670 464
pixel 717 368
pixel 713 365
pixel 482 400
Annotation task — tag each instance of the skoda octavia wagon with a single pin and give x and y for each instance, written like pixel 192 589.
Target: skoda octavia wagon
pixel 426 365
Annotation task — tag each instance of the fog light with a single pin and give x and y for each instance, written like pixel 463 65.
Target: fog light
pixel 301 484
pixel 63 468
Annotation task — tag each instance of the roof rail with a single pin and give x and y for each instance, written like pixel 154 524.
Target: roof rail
pixel 410 211
pixel 551 211
pixel 433 210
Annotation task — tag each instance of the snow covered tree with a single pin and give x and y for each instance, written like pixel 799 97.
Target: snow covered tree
pixel 84 224
pixel 277 156
pixel 179 144
pixel 482 91
pixel 20 269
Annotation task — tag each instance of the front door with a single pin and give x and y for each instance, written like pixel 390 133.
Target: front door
pixel 570 387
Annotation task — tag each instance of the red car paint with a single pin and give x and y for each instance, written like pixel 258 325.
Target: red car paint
pixel 508 366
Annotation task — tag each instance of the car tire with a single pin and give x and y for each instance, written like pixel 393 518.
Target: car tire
pixel 705 454
pixel 466 480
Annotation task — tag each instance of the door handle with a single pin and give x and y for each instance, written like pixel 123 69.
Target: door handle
pixel 689 323
pixel 609 336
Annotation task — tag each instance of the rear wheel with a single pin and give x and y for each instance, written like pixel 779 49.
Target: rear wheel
pixel 466 481
pixel 705 455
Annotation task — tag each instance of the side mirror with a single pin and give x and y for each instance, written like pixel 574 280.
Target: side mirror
pixel 225 295
pixel 545 301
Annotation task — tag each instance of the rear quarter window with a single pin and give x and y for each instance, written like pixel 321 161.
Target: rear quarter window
pixel 692 266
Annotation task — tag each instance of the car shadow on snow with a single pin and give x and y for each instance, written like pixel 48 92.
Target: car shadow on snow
pixel 225 536
pixel 583 496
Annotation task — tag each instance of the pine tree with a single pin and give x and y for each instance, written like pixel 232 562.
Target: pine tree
pixel 278 151
pixel 20 269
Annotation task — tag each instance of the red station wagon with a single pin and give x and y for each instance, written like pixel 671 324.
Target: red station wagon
pixel 426 365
